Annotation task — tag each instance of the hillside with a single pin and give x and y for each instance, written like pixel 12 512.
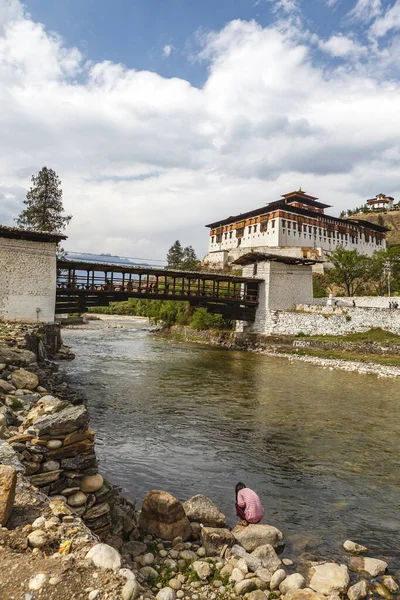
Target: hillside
pixel 390 219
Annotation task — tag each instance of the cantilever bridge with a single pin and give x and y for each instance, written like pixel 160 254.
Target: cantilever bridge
pixel 81 285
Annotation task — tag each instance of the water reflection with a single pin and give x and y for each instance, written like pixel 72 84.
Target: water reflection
pixel 320 446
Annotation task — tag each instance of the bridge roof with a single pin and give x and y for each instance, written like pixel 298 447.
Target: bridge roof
pixel 30 234
pixel 156 271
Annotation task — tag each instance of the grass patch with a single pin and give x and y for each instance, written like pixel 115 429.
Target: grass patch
pixel 374 335
pixel 386 359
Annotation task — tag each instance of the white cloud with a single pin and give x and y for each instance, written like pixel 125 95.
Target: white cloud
pixel 167 50
pixel 331 3
pixel 146 160
pixel 342 46
pixel 366 10
pixel 286 6
pixel 389 21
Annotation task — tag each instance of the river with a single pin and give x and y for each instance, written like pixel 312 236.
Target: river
pixel 319 446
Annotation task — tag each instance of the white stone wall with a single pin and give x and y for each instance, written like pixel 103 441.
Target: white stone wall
pixel 28 273
pixel 339 321
pixel 364 301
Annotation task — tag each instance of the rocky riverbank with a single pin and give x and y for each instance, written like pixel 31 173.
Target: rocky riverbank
pixel 67 533
pixel 319 352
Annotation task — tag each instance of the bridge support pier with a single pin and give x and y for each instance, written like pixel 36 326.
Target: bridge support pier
pixel 285 283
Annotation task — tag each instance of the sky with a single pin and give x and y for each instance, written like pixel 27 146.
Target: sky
pixel 160 116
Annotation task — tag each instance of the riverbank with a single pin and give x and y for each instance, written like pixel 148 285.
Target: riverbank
pixel 49 548
pixel 370 356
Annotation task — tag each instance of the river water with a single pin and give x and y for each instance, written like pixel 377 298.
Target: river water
pixel 320 447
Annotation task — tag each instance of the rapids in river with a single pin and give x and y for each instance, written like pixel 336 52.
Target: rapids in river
pixel 319 446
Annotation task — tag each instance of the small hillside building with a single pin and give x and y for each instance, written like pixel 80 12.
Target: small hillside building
pixel 380 202
pixel 296 225
pixel 28 274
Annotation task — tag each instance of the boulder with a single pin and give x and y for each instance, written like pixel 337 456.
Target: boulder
pixel 252 562
pixel 252 536
pixel 303 595
pixel 371 566
pixel 24 380
pixel 5 387
pixel 17 357
pixel 166 594
pixel 354 548
pixel 202 569
pixel 201 509
pixel 245 586
pixel 358 591
pixel 8 482
pixel 104 557
pixel 329 577
pixel 131 590
pixel 9 457
pixel 61 422
pixel 292 582
pixel 215 538
pixel 263 574
pixel 390 583
pixel 92 483
pixel 236 575
pixel 162 515
pixel 277 578
pixel 257 595
pixel 268 557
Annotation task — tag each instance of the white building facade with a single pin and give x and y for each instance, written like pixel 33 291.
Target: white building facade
pixel 28 273
pixel 294 226
pixel 380 202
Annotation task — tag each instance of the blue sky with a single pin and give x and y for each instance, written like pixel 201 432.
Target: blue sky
pixel 161 116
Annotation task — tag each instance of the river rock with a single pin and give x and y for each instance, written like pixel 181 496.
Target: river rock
pixel 79 463
pixel 42 479
pixel 252 562
pixel 268 557
pixel 9 457
pixel 37 582
pixel 97 511
pixel 9 415
pixel 381 590
pixel 292 582
pixel 104 557
pixel 252 536
pixel 162 515
pixel 304 595
pixel 277 579
pixel 148 573
pixel 390 583
pixel 37 538
pixel 202 569
pixel 354 548
pixel 175 584
pixel 257 595
pixel 371 566
pixel 134 548
pixel 8 482
pixel 60 423
pixel 17 357
pixel 5 387
pixel 236 575
pixel 166 594
pixel 54 444
pixel 50 465
pixel 358 591
pixel 201 509
pixel 22 379
pixel 215 538
pixel 131 590
pixel 329 577
pixel 245 586
pixel 92 483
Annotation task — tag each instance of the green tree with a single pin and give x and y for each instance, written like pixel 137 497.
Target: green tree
pixel 190 261
pixel 175 256
pixel 44 209
pixel 350 269
pixel 384 265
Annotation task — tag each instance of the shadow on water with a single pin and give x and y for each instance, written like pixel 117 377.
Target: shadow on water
pixel 319 446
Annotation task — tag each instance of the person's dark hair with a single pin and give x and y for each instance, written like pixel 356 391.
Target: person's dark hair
pixel 239 486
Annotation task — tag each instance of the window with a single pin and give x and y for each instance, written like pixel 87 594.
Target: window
pixel 255 228
pixel 283 223
pixel 226 235
pixel 309 229
pixel 273 223
pixel 212 239
pixel 289 224
pixel 250 229
pixel 230 235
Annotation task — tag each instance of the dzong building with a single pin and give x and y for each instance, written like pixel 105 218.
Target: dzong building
pixel 296 225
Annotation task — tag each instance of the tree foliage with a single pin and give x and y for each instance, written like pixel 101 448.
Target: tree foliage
pixel 349 269
pixel 184 259
pixel 44 209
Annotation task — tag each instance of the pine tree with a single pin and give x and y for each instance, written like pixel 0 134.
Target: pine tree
pixel 190 261
pixel 175 256
pixel 44 210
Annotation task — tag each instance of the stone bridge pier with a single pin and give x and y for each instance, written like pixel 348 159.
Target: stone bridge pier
pixel 287 281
